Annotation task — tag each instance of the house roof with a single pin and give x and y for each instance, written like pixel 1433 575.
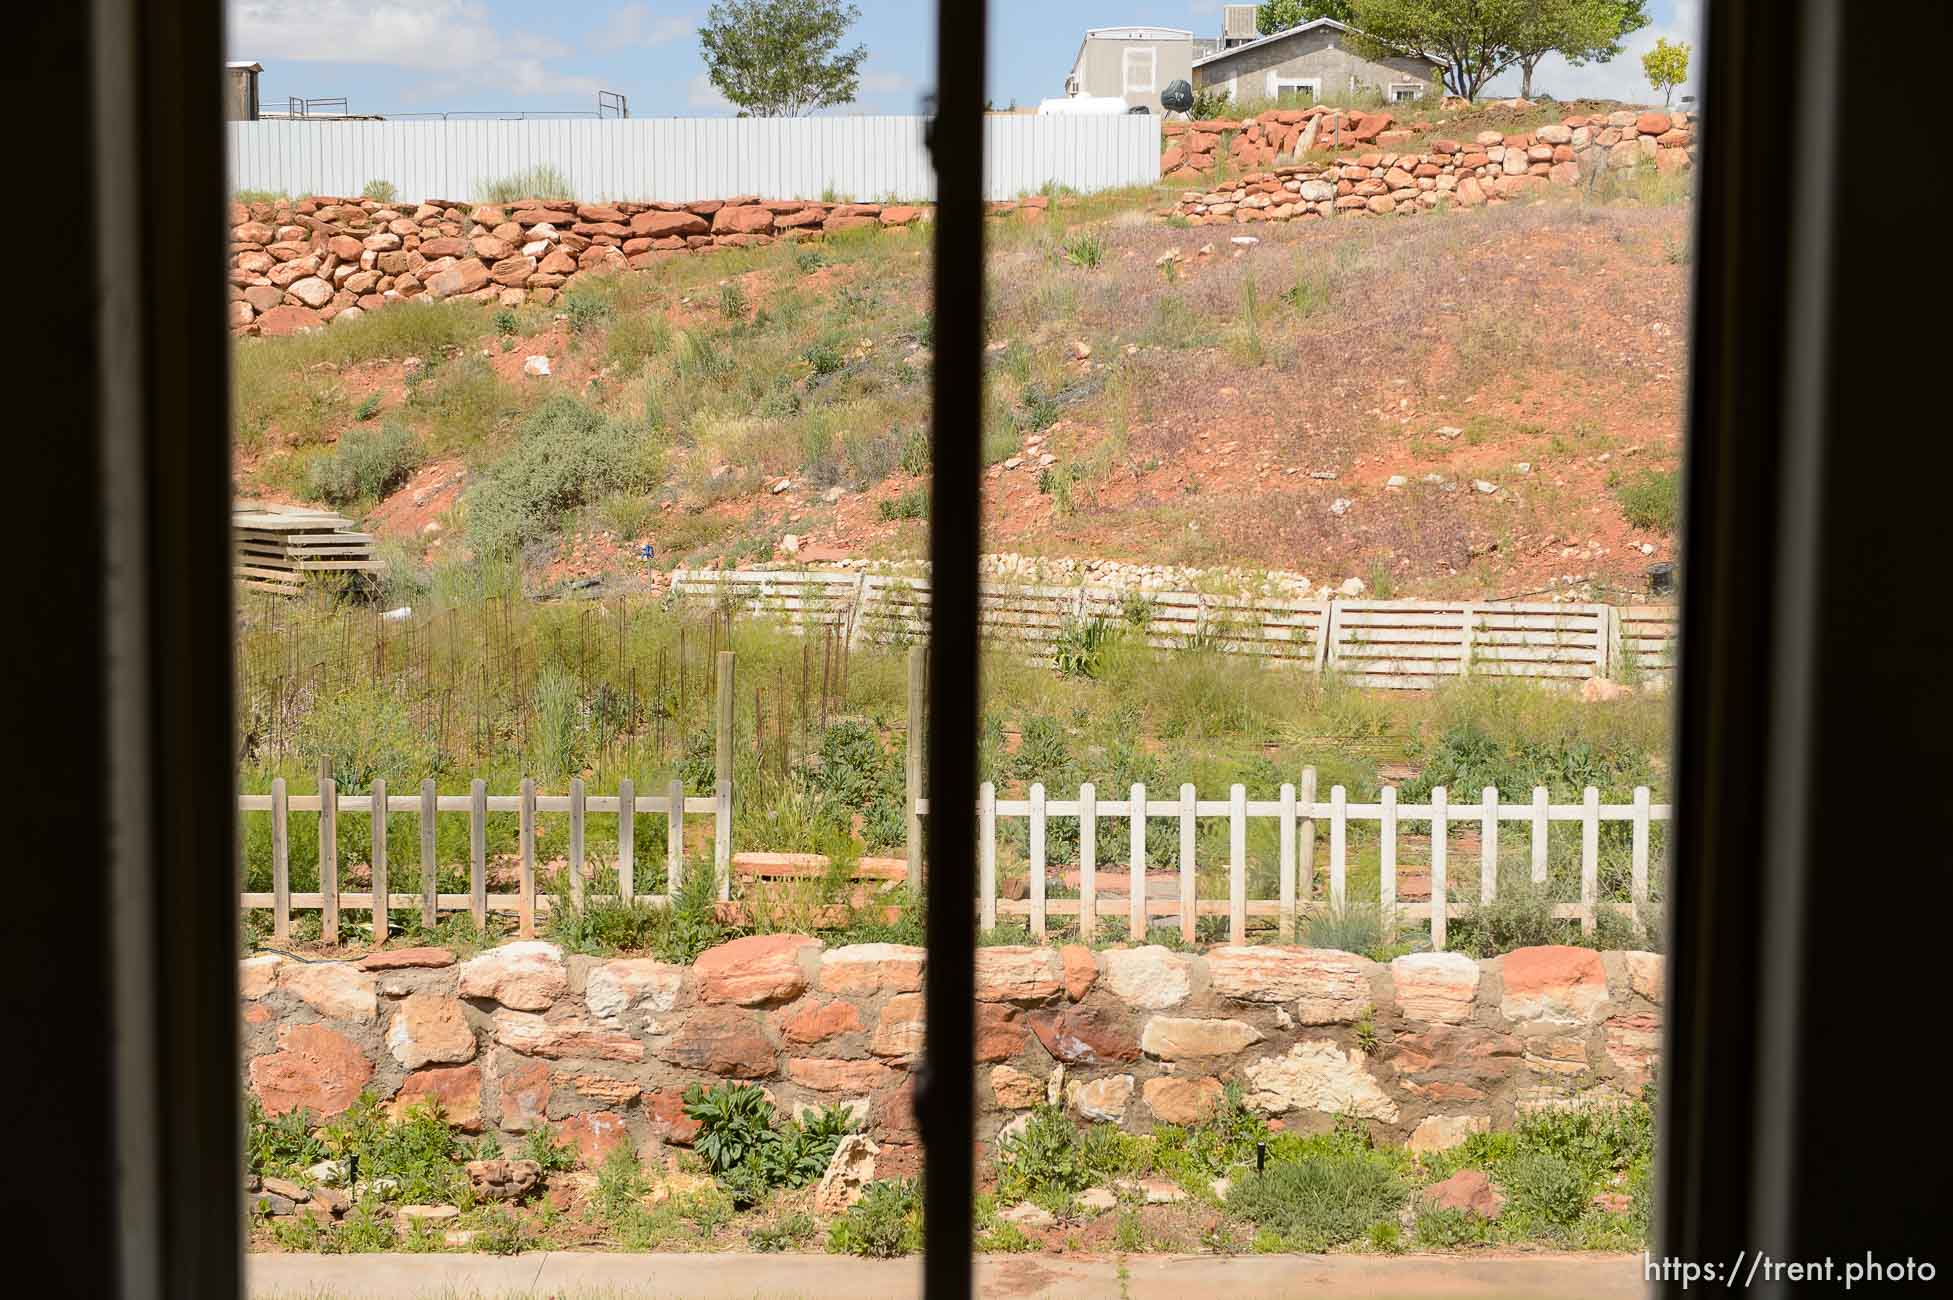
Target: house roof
pixel 240 65
pixel 1221 55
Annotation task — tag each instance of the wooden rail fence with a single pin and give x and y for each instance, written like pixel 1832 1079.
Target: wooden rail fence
pixel 1395 644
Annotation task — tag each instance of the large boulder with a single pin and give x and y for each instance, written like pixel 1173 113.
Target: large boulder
pixel 759 970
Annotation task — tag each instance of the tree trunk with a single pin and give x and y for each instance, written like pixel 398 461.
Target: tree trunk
pixel 1526 78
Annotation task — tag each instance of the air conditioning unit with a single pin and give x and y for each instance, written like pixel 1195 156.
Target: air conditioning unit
pixel 1237 25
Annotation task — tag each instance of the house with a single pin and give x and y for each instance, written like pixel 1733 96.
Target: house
pixel 1131 63
pixel 1308 63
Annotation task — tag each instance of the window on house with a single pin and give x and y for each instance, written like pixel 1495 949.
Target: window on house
pixel 1296 90
pixel 1140 65
pixel 1406 91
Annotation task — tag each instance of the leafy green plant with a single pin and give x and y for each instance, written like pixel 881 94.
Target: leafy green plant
pixel 884 1224
pixel 916 452
pixel 824 358
pixel 367 465
pixel 1319 1201
pixel 587 309
pixel 279 1144
pixel 1080 647
pixel 794 1231
pixel 911 504
pixel 1545 1188
pixel 417 1153
pixel 539 182
pixel 1649 498
pixel 505 321
pixel 1085 249
pixel 368 408
pixel 567 455
pixel 542 1147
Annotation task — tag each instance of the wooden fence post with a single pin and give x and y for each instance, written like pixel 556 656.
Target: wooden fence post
pixel 328 854
pixel 627 841
pixel 430 882
pixel 1338 845
pixel 1589 859
pixel 722 791
pixel 381 886
pixel 577 807
pixel 1237 864
pixel 1539 835
pixel 526 838
pixel 1037 861
pixel 1387 858
pixel 1287 921
pixel 987 856
pixel 1189 885
pixel 1440 851
pixel 1488 846
pixel 1088 863
pixel 917 738
pixel 478 852
pixel 281 862
pixel 1638 885
pixel 1136 897
pixel 1306 833
pixel 674 839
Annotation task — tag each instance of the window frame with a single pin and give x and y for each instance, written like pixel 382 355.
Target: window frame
pixel 1152 53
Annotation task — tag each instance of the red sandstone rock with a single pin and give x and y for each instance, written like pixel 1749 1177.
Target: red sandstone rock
pixel 314 1069
pixel 1556 984
pixel 404 958
pixel 822 1075
pixel 1085 1035
pixel 525 1092
pixel 1081 970
pixel 1180 1100
pixel 722 1041
pixel 595 1133
pixel 761 970
pixel 864 969
pixel 1470 1190
pixel 665 1108
pixel 1652 123
pixel 564 1037
pixel 817 1022
pixel 457 1089
pixel 742 221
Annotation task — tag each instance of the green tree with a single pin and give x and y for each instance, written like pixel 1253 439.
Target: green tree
pixel 779 58
pixel 1279 15
pixel 1472 40
pixel 1667 66
pixel 1583 31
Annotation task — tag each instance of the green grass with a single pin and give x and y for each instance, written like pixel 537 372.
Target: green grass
pixel 538 182
pixel 1649 498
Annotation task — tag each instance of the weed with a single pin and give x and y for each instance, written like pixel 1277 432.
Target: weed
pixel 542 1147
pixel 1649 498
pixel 538 182
pixel 1319 1201
pixel 732 301
pixel 884 1224
pixel 912 504
pixel 568 455
pixel 367 408
pixel 366 466
pixel 1085 249
pixel 587 309
pixel 1081 645
pixel 790 1233
pixel 379 191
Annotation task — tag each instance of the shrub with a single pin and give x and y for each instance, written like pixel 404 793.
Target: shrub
pixel 912 504
pixel 793 1231
pixel 1081 645
pixel 1545 1189
pixel 1085 249
pixel 367 465
pixel 587 309
pixel 542 1147
pixel 418 1152
pixel 281 1144
pixel 567 456
pixel 1519 916
pixel 1319 1201
pixel 747 1153
pixel 538 182
pixel 635 338
pixel 884 1224
pixel 364 732
pixel 379 191
pixel 1649 498
pixel 368 408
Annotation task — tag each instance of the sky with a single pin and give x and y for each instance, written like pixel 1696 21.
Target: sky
pixel 418 56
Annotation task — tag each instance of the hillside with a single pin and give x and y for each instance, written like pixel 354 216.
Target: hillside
pixel 1480 403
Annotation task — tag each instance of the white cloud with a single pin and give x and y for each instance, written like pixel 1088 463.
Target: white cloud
pixel 887 83
pixel 459 44
pixel 641 26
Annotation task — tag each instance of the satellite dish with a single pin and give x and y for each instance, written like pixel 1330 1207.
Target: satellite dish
pixel 1177 97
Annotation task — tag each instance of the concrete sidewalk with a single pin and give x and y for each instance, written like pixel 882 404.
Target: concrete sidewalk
pixel 585 1276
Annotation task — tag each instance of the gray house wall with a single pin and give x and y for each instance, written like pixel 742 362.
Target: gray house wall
pixel 240 95
pixel 1102 63
pixel 1318 55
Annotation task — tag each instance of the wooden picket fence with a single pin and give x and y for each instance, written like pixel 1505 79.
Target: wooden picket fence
pixel 1393 644
pixel 1300 816
pixel 426 805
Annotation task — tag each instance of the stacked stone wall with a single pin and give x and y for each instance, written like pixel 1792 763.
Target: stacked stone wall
pixel 1425 1049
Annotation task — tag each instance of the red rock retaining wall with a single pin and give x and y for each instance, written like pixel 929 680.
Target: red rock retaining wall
pixel 603 1049
pixel 1488 168
pixel 299 265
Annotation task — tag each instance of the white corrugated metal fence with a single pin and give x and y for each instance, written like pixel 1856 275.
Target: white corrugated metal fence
pixel 862 159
